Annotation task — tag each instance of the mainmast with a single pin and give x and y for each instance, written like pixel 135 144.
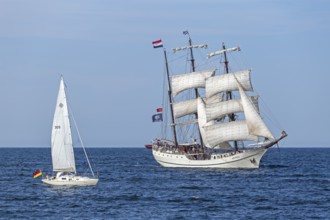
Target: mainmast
pixel 170 99
pixel 229 95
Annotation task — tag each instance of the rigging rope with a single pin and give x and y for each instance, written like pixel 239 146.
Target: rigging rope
pixel 271 117
pixel 82 144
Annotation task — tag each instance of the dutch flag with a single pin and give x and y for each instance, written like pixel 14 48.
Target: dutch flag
pixel 157 43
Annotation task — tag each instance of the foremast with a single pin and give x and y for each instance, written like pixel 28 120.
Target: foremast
pixel 193 68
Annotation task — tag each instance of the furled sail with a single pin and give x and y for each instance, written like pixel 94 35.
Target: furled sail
pixel 183 82
pixel 230 131
pixel 222 51
pixel 184 108
pixel 62 149
pixel 253 120
pixel 220 109
pixel 227 82
pixel 189 47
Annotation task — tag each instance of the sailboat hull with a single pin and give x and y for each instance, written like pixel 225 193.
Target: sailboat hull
pixel 240 159
pixel 70 180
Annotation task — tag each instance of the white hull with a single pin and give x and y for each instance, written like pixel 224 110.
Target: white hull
pixel 241 159
pixel 70 180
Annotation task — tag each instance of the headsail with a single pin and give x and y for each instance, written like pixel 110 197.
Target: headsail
pixel 253 120
pixel 62 149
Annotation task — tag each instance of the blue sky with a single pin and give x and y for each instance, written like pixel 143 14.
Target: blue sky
pixel 114 76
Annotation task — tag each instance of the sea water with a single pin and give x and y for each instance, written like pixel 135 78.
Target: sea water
pixel 291 183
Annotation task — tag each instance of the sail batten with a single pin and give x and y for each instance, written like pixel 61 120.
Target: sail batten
pixel 192 80
pixel 61 140
pixel 227 82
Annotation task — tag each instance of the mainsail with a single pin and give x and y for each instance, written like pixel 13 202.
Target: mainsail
pixel 230 131
pixel 244 130
pixel 62 148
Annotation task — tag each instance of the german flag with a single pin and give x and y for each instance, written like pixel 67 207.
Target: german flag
pixel 37 174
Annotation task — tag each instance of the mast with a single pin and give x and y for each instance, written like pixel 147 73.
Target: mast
pixel 196 90
pixel 170 99
pixel 229 93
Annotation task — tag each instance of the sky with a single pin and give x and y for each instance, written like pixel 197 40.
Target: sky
pixel 114 76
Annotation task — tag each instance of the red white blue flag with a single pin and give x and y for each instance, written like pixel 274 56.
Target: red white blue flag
pixel 157 43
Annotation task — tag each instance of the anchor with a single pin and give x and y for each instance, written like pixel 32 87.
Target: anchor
pixel 253 161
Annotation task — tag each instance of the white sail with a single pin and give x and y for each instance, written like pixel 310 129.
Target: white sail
pixel 224 145
pixel 230 131
pixel 183 82
pixel 184 108
pixel 202 122
pixel 214 99
pixel 253 120
pixel 62 149
pixel 220 109
pixel 189 47
pixel 227 82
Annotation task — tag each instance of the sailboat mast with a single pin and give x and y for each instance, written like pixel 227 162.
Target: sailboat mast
pixel 229 95
pixel 196 90
pixel 192 59
pixel 170 99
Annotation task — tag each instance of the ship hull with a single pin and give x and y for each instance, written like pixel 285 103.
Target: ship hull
pixel 70 180
pixel 240 159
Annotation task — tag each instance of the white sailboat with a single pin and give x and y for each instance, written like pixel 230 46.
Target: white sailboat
pixel 62 148
pixel 229 131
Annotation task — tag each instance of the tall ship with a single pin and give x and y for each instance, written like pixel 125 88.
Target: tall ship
pixel 210 118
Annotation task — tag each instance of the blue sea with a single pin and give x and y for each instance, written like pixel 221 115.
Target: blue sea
pixel 292 183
